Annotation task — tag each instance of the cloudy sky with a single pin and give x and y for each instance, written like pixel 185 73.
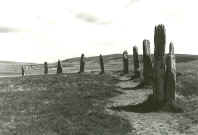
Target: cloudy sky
pixel 47 30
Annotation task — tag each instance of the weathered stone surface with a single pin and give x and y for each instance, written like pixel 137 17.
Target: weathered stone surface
pixel 59 68
pixel 45 68
pixel 101 64
pixel 147 63
pixel 170 85
pixel 125 62
pixel 136 62
pixel 82 64
pixel 159 63
pixel 171 49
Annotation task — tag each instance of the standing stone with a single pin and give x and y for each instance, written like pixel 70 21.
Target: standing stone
pixel 159 64
pixel 22 71
pixel 101 64
pixel 59 68
pixel 147 63
pixel 170 75
pixel 136 61
pixel 82 63
pixel 45 68
pixel 125 62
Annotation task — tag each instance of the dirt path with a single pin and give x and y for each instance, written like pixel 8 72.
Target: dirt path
pixel 152 123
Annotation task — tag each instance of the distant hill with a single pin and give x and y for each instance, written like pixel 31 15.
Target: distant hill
pixel 179 58
pixel 16 63
pixel 185 58
pixel 95 58
pixel 112 62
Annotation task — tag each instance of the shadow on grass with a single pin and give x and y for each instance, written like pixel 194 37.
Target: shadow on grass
pixel 150 105
pixel 141 85
pixel 133 77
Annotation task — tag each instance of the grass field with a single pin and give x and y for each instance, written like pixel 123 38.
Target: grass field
pixel 58 105
pixel 75 104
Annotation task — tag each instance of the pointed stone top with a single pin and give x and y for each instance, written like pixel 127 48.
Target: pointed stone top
pixel 146 42
pixel 100 56
pixel 146 47
pixel 125 52
pixel 171 48
pixel 135 48
pixel 159 40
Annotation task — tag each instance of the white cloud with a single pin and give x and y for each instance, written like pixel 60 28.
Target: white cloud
pixel 51 30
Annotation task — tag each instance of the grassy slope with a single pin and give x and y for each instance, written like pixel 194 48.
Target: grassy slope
pixel 53 105
pixel 111 62
pixel 187 90
pixel 58 105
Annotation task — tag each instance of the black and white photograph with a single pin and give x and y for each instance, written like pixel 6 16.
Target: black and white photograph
pixel 98 67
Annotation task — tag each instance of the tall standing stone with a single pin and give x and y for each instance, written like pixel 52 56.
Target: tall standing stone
pixel 45 68
pixel 101 64
pixel 125 62
pixel 22 71
pixel 147 63
pixel 59 68
pixel 136 61
pixel 170 86
pixel 82 64
pixel 159 63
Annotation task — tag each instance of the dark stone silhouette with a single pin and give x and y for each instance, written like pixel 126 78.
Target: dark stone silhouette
pixel 125 62
pixel 147 63
pixel 164 79
pixel 164 72
pixel 22 71
pixel 82 64
pixel 159 63
pixel 170 75
pixel 45 68
pixel 59 68
pixel 101 64
pixel 136 62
